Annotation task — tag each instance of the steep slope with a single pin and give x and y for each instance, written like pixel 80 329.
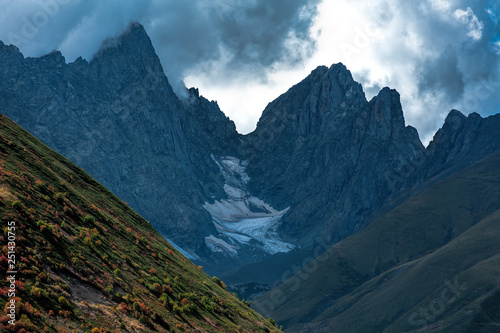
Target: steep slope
pixel 118 117
pixel 454 289
pixel 381 278
pixel 86 261
pixel 324 151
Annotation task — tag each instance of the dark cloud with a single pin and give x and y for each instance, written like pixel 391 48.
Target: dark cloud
pixel 230 36
pixel 257 33
pixel 464 39
pixel 444 74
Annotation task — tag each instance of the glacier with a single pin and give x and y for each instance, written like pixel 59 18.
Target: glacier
pixel 243 219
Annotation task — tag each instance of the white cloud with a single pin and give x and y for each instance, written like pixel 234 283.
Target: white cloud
pixel 474 25
pixel 441 5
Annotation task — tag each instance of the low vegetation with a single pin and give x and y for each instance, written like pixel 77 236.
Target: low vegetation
pixel 86 262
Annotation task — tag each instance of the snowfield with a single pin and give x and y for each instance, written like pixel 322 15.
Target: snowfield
pixel 243 219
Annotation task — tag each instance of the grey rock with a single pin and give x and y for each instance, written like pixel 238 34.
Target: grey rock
pixel 328 154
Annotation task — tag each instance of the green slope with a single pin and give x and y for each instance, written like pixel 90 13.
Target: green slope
pixel 441 292
pixel 86 262
pixel 378 278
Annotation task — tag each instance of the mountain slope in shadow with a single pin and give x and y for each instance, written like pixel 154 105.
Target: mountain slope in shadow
pixel 431 262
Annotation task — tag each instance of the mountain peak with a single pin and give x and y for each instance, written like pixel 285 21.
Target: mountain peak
pixel 339 67
pixel 453 140
pixel 308 106
pixel 318 72
pixel 336 71
pixel 133 42
pixel 9 48
pixel 129 59
pixel 55 58
pixel 387 113
pixel 135 32
pixel 10 58
pixel 455 118
pixel 342 76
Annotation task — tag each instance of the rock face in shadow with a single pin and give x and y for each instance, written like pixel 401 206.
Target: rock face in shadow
pixel 326 152
pixel 461 141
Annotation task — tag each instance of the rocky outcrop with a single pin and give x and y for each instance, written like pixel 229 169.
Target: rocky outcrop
pixel 462 140
pixel 329 155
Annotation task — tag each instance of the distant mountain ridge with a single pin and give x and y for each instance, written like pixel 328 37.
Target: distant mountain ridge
pixel 322 156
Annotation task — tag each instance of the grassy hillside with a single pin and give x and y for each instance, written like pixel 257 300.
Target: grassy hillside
pixel 381 278
pixel 449 290
pixel 86 262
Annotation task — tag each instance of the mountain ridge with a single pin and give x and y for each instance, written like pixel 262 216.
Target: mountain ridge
pixel 344 125
pixel 335 159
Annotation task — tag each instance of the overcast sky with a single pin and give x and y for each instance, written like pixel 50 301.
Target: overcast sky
pixel 439 54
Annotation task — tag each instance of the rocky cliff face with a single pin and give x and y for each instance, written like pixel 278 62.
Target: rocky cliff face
pixel 328 154
pixel 461 141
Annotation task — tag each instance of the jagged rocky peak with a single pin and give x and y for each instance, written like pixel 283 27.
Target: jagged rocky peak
pixel 11 50
pixel 336 92
pixel 338 75
pixel 324 131
pixel 305 108
pixel 387 119
pixel 455 118
pixel 194 93
pixel 453 141
pixel 134 39
pixel 209 122
pixel 456 121
pixel 10 58
pixel 456 131
pixel 129 58
pixel 387 107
